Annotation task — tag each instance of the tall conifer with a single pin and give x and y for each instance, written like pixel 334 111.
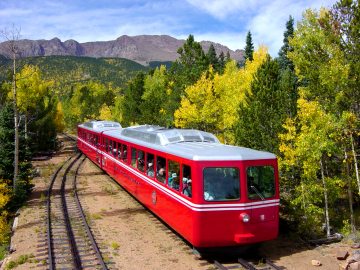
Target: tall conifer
pixel 249 48
pixel 261 115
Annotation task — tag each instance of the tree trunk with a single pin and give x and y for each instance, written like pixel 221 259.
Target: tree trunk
pixel 355 161
pixel 326 200
pixel 16 127
pixel 352 221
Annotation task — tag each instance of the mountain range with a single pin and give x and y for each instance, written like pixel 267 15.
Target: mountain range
pixel 142 49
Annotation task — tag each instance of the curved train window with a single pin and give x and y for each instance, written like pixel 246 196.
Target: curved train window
pixel 124 155
pixel 186 181
pixel 133 157
pixel 141 161
pixel 161 169
pixel 173 174
pixel 150 165
pixel 221 184
pixel 260 182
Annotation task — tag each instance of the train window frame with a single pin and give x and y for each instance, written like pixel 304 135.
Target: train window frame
pixel 106 145
pixel 253 194
pixel 211 196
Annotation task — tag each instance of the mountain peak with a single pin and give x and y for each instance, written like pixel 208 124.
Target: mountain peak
pixel 142 49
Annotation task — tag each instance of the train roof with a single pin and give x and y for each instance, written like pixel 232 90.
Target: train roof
pixel 186 143
pixel 99 126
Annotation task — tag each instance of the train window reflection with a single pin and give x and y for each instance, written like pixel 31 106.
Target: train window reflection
pixel 221 184
pixel 260 182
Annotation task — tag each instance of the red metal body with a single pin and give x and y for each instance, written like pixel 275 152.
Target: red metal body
pixel 202 223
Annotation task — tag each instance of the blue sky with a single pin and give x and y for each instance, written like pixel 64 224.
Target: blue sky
pixel 221 21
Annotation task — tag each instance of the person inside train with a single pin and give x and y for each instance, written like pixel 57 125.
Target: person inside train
pixel 173 181
pixel 188 190
pixel 161 175
pixel 208 191
pixel 219 192
pixel 150 170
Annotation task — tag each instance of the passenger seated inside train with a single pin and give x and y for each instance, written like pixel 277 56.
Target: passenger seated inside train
pixel 208 191
pixel 150 170
pixel 187 191
pixel 161 176
pixel 174 181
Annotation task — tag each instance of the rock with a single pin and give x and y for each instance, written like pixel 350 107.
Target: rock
pixel 353 258
pixel 355 245
pixel 315 263
pixel 343 266
pixel 341 254
pixel 354 266
pixel 356 252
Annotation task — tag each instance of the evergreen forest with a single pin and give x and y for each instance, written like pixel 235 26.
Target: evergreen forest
pixel 302 105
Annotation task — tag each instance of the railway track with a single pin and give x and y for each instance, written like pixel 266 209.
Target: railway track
pixel 70 243
pixel 245 265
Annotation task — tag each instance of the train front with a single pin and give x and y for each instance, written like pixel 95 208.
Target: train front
pixel 238 198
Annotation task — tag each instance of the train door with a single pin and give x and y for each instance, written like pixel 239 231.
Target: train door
pixel 261 191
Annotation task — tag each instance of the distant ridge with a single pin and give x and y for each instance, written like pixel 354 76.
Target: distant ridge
pixel 141 49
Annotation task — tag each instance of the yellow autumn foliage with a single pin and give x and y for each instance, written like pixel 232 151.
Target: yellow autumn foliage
pixel 211 103
pixel 5 196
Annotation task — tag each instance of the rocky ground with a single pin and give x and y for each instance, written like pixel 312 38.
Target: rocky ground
pixel 135 238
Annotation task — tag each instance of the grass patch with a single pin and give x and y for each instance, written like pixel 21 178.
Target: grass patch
pixel 114 245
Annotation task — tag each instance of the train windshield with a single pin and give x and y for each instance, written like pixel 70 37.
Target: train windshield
pixel 260 182
pixel 221 184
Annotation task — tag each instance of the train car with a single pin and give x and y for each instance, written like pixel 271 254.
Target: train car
pixel 212 194
pixel 89 135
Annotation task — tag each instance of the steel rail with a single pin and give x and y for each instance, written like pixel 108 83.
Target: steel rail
pixel 49 234
pixel 69 232
pixel 88 231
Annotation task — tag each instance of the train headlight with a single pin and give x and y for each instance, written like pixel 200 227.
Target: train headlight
pixel 244 217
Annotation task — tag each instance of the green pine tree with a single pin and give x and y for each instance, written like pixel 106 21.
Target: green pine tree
pixel 211 55
pixel 261 116
pixel 283 60
pixel 7 135
pixel 249 48
pixel 130 105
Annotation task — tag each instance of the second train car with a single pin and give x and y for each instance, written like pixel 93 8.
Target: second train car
pixel 212 194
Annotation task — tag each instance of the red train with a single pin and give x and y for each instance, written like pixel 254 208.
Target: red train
pixel 214 195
